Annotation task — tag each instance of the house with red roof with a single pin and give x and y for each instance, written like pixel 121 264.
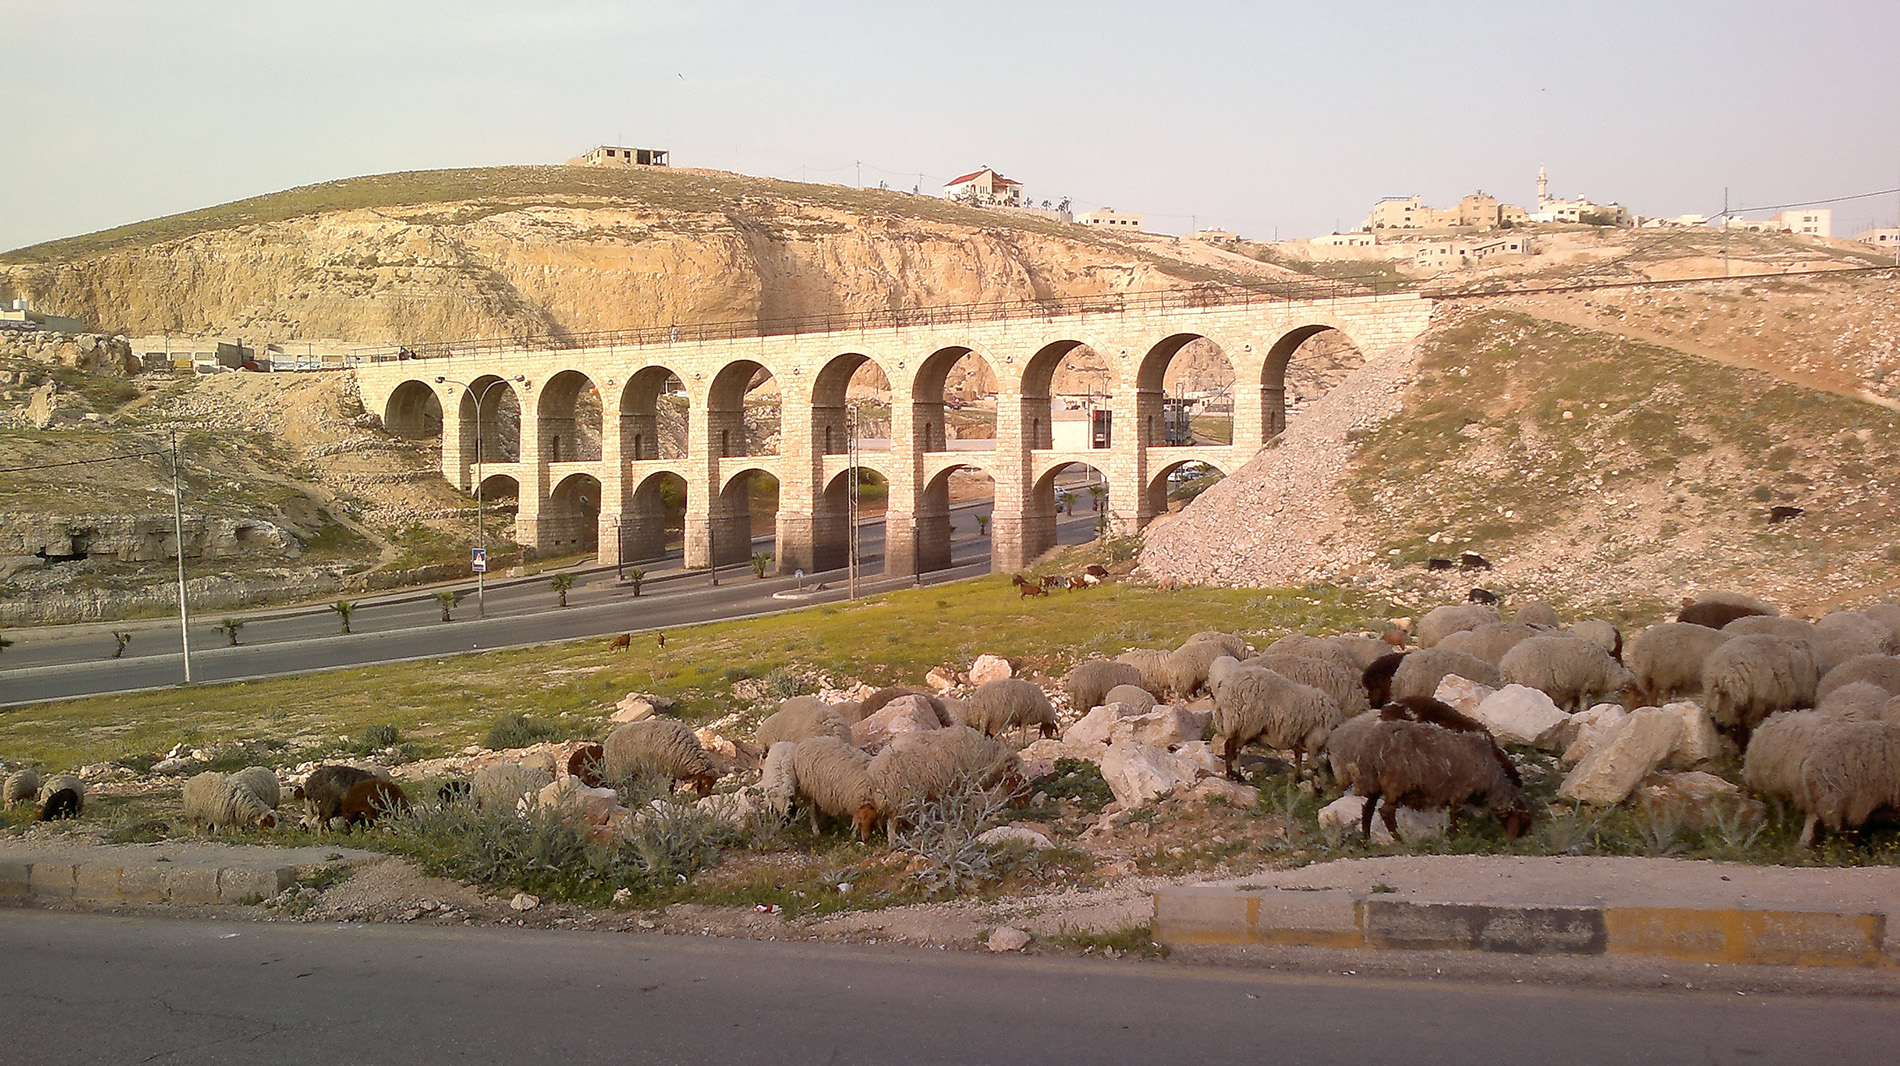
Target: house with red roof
pixel 985 188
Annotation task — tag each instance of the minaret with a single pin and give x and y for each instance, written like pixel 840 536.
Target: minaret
pixel 1543 186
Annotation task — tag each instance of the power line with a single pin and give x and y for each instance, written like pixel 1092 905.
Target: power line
pixel 1817 203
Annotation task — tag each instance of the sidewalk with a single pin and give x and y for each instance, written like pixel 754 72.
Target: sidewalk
pixel 169 872
pixel 1677 909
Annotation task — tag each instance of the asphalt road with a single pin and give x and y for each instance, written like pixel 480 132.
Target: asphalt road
pixel 63 662
pixel 85 988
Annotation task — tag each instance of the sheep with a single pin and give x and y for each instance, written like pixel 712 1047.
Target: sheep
pixel 1491 640
pixel 1377 677
pixel 323 790
pixel 1361 649
pixel 1887 614
pixel 853 713
pixel 368 801
pixel 1749 678
pixel 1011 701
pixel 1152 664
pixel 21 786
pixel 262 783
pixel 1445 716
pixel 800 718
pixel 1422 670
pixel 1227 642
pixel 1089 682
pixel 1603 634
pixel 1425 767
pixel 586 763
pixel 1256 704
pixel 1312 648
pixel 501 785
pixel 1852 770
pixel 1667 659
pixel 1716 615
pixel 1770 625
pixel 1327 675
pixel 1184 672
pixel 659 745
pixel 1134 696
pixel 1861 699
pixel 1843 635
pixel 221 801
pixel 776 778
pixel 1881 670
pixel 61 796
pixel 1868 627
pixel 921 767
pixel 1219 669
pixel 1537 613
pixel 1572 671
pixel 1772 764
pixel 833 778
pixel 1441 622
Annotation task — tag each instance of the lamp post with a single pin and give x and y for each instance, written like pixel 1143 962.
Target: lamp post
pixel 481 524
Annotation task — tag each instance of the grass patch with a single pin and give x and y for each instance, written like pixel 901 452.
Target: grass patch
pixel 1129 939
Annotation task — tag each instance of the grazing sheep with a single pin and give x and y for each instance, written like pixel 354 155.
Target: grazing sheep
pixel 499 787
pixel 922 767
pixel 1772 764
pixel 1008 702
pixel 1219 669
pixel 1089 682
pixel 61 796
pixel 1843 635
pixel 1572 671
pixel 1424 767
pixel 1484 596
pixel 1441 622
pixel 1312 648
pixel 220 801
pixel 21 786
pixel 802 718
pixel 587 763
pixel 1422 670
pixel 323 790
pixel 1491 640
pixel 1184 672
pixel 262 783
pixel 1882 670
pixel 1327 675
pixel 1858 699
pixel 833 778
pixel 1667 659
pixel 1851 770
pixel 1227 642
pixel 1152 664
pixel 660 745
pixel 1255 704
pixel 1749 678
pixel 1887 614
pixel 1134 696
pixel 1538 613
pixel 1603 634
pixel 1717 609
pixel 368 801
pixel 1377 677
pixel 777 779
pixel 1771 625
pixel 1445 716
pixel 876 702
pixel 1362 650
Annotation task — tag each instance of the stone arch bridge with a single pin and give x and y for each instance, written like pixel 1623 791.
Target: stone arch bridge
pixel 575 495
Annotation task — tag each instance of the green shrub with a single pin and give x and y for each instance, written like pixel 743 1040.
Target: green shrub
pixel 519 731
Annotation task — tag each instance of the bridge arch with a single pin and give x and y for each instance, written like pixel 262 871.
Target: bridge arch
pixel 655 515
pixel 734 520
pixel 1314 344
pixel 738 383
pixel 414 411
pixel 1174 381
pixel 932 524
pixel 949 377
pixel 831 520
pixel 1089 378
pixel 653 415
pixel 568 419
pixel 570 520
pixel 1052 499
pixel 1160 481
pixel 831 422
pixel 489 420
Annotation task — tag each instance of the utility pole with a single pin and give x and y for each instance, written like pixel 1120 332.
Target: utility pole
pixel 178 531
pixel 1725 231
pixel 851 508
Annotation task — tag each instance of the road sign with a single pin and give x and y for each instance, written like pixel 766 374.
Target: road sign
pixel 478 559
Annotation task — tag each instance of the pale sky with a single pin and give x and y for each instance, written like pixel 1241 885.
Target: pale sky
pixel 1261 118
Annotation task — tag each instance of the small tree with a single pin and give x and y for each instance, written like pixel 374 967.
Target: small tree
pixel 121 640
pixel 760 560
pixel 982 525
pixel 561 583
pixel 1101 524
pixel 635 576
pixel 1068 501
pixel 447 599
pixel 1099 493
pixel 229 627
pixel 5 644
pixel 344 609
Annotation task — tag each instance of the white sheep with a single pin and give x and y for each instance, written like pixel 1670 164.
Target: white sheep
pixel 1328 675
pixel 659 745
pixel 1441 622
pixel 1088 682
pixel 801 717
pixel 1852 770
pixel 262 783
pixel 1667 659
pixel 1881 670
pixel 1419 673
pixel 219 801
pixel 778 779
pixel 1572 671
pixel 1537 613
pixel 833 778
pixel 1749 678
pixel 921 767
pixel 21 786
pixel 1256 704
pixel 1491 640
pixel 1010 702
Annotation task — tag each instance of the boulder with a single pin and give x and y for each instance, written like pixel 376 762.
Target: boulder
pixel 989 668
pixel 1516 714
pixel 1097 726
pixel 177 764
pixel 1163 727
pixel 1588 728
pixel 1632 748
pixel 728 756
pixel 1461 693
pixel 1346 811
pixel 1233 792
pixel 1203 756
pixel 735 809
pixel 1700 742
pixel 579 804
pixel 524 902
pixel 634 707
pixel 1698 800
pixel 1015 834
pixel 1006 938
pixel 1137 773
pixel 941 679
pixel 1051 748
pixel 905 714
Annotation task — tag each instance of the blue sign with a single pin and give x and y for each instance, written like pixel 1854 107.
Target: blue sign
pixel 478 558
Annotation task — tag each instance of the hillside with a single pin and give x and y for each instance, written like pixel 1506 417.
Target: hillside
pixel 1599 468
pixel 440 255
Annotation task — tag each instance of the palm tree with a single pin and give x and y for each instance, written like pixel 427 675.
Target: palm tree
pixel 123 639
pixel 5 644
pixel 1099 493
pixel 344 609
pixel 562 582
pixel 635 576
pixel 1067 500
pixel 761 560
pixel 229 627
pixel 447 599
pixel 982 525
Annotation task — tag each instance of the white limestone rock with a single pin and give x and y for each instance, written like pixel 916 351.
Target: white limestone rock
pixel 1516 714
pixel 1634 746
pixel 1588 728
pixel 989 668
pixel 1462 694
pixel 1138 774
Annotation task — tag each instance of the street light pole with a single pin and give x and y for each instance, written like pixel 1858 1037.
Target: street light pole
pixel 178 531
pixel 481 523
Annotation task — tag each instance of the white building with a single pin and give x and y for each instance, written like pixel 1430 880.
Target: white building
pixel 985 188
pixel 1109 218
pixel 1884 239
pixel 1578 210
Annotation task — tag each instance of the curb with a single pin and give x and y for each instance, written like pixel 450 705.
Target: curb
pixel 153 882
pixel 1188 916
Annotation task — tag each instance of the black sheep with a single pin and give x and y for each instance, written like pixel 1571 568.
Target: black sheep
pixel 1484 596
